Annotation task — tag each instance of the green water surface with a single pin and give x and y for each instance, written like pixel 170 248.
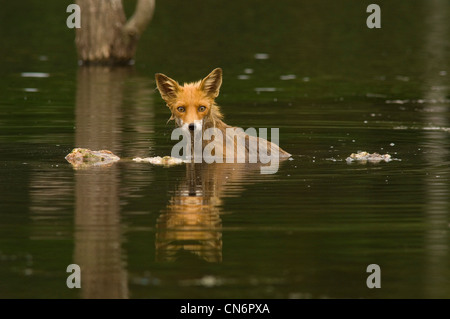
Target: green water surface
pixel 310 68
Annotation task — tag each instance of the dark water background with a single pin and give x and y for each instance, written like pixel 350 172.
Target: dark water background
pixel 312 69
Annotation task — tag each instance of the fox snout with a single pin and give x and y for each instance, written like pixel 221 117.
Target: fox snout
pixel 194 126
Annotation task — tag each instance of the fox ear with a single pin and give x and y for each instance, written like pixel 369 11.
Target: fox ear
pixel 167 87
pixel 211 84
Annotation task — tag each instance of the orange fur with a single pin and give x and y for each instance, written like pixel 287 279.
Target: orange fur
pixel 195 101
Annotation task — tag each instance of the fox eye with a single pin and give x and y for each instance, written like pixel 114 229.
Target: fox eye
pixel 201 108
pixel 181 109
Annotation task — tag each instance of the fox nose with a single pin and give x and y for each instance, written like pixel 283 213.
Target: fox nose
pixel 192 126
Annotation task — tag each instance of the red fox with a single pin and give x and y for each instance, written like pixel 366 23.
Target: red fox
pixel 194 109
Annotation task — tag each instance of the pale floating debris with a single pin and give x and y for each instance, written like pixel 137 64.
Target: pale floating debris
pixel 419 101
pixel 30 90
pixel 43 58
pixel 397 101
pixel 303 295
pixel 288 77
pixel 248 71
pixel 158 160
pixel 145 281
pixel 403 127
pixel 437 128
pixel 243 77
pixel 442 73
pixel 305 79
pixel 367 157
pixel 34 75
pixel 375 95
pixel 265 90
pixel 261 56
pixel 84 157
pixel 426 128
pixel 210 281
pixel 206 281
pixel 439 88
pixel 402 78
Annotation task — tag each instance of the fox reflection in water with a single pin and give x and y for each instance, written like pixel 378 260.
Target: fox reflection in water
pixel 191 221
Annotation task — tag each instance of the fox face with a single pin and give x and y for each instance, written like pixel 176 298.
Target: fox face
pixel 192 104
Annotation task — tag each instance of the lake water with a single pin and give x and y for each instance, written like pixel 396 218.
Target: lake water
pixel 310 68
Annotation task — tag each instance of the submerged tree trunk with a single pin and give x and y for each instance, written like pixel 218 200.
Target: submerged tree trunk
pixel 105 36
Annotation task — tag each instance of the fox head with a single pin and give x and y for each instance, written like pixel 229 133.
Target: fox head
pixel 192 104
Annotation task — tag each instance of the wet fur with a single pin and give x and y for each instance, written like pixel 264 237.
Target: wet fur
pixel 201 93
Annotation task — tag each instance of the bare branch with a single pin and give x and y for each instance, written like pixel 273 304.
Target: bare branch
pixel 143 14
